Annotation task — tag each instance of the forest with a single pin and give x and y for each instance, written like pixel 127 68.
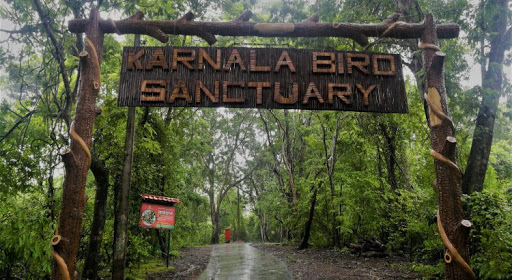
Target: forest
pixel 303 178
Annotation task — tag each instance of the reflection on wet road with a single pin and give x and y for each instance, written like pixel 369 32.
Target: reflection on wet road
pixel 242 261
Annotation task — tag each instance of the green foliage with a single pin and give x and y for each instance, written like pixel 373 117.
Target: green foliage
pixel 491 238
pixel 25 237
pixel 186 153
pixel 430 271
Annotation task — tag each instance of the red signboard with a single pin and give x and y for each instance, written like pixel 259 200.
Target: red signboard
pixel 156 216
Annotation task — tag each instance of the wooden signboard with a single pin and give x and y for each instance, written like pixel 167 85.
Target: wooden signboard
pixel 262 78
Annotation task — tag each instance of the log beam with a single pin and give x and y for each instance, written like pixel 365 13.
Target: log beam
pixel 242 27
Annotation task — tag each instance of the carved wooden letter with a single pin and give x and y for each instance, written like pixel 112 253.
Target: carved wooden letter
pixel 331 67
pixel 226 98
pixel 366 93
pixel 200 87
pixel 157 60
pixel 234 58
pixel 294 97
pixel 361 65
pixel 259 89
pixel 180 91
pixel 341 65
pixel 339 93
pixel 392 65
pixel 148 90
pixel 183 59
pixel 204 56
pixel 312 90
pixel 253 66
pixel 134 60
pixel 284 59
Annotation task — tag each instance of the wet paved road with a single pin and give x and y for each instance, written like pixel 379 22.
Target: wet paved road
pixel 239 261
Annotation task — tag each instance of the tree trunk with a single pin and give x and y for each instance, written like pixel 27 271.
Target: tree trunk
pixel 215 227
pixel 391 154
pixel 161 243
pixel 448 176
pixel 286 154
pixel 101 175
pixel 307 229
pixel 491 91
pixel 238 215
pixel 123 210
pixel 77 159
pixel 330 159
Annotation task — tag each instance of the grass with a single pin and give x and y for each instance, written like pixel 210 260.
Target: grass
pixel 140 272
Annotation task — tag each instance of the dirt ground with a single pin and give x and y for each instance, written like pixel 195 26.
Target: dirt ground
pixel 190 263
pixel 329 264
pixel 304 264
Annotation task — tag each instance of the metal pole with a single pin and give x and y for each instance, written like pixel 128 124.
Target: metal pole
pixel 168 247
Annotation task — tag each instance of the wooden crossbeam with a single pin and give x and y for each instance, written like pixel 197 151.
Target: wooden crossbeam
pixel 242 27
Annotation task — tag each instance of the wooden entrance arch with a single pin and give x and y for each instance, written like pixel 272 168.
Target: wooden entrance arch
pixel 454 230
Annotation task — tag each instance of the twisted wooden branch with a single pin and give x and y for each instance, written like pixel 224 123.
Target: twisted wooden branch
pixel 447 162
pixel 63 268
pixel 428 46
pixel 437 111
pixel 81 143
pixel 454 254
pixel 61 264
pixel 95 62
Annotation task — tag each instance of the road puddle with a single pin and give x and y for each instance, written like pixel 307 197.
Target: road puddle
pixel 240 261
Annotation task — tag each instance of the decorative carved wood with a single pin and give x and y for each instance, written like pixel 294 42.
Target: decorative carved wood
pixel 241 27
pixel 76 158
pixel 262 78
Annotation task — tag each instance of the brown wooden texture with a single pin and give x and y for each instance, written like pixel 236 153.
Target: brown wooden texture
pixel 448 175
pixel 77 159
pixel 241 27
pixel 262 78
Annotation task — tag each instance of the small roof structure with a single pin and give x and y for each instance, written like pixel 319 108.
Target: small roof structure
pixel 159 199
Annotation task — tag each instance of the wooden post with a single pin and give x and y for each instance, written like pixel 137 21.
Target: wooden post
pixel 123 205
pixel 448 174
pixel 168 248
pixel 77 158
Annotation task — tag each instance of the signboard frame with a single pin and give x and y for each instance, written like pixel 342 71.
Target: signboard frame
pixel 272 78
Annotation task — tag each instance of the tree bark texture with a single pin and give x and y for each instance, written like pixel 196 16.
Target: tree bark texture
pixel 389 137
pixel 215 217
pixel 241 27
pixel 101 176
pixel 77 158
pixel 307 228
pixel 330 163
pixel 411 11
pixel 448 176
pixel 123 209
pixel 491 91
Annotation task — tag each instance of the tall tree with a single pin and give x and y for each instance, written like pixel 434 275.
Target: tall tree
pixel 101 174
pixel 123 195
pixel 493 22
pixel 227 134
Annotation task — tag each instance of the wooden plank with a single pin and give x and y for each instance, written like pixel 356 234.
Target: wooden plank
pixel 262 78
